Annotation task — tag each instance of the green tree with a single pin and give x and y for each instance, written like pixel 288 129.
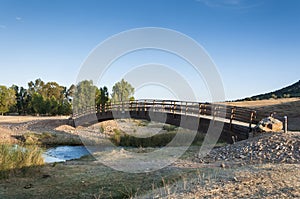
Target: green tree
pixel 38 104
pixel 122 91
pixel 102 96
pixel 15 108
pixel 48 98
pixel 7 99
pixel 84 96
pixel 53 90
pixel 36 87
pixel 274 96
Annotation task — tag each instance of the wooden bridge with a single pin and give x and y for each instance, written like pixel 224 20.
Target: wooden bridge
pixel 238 121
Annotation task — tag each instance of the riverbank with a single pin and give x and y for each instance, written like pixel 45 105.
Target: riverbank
pixel 37 130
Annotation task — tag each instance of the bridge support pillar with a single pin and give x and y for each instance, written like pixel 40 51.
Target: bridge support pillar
pixel 285 124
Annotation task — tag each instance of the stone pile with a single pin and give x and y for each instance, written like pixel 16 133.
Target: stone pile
pixel 269 124
pixel 271 148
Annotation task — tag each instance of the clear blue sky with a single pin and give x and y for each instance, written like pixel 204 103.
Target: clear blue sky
pixel 255 44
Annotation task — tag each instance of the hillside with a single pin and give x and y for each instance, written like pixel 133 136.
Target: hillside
pixel 286 92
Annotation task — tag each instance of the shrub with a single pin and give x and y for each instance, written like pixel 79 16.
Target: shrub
pixel 14 158
pixel 116 138
pixel 102 129
pixel 169 128
pixel 122 139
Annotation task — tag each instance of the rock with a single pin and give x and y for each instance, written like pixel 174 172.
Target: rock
pixel 46 176
pixel 266 148
pixel 235 179
pixel 222 165
pixel 269 124
pixel 29 186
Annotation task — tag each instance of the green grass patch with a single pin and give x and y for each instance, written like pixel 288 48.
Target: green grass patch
pixel 14 158
pixel 122 139
pixel 169 128
pixel 142 122
pixel 50 139
pixel 102 129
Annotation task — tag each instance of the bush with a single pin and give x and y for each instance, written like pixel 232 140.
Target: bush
pixel 122 139
pixel 117 136
pixel 142 122
pixel 169 128
pixel 14 158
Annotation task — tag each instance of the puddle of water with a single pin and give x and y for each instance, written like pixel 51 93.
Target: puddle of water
pixel 64 153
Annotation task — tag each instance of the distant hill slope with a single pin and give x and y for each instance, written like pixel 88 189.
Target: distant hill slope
pixel 286 92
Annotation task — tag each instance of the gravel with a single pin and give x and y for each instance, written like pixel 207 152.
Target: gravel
pixel 266 148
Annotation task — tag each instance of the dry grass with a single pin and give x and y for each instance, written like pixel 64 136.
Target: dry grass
pixel 260 103
pixel 282 107
pixel 257 181
pixel 78 179
pixel 50 139
pixel 14 157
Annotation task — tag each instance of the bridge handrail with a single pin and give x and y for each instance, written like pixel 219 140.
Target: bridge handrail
pixel 232 113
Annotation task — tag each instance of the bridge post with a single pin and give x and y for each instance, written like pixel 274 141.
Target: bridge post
pixel 252 116
pixel 174 109
pixel 200 109
pixel 195 109
pixel 181 108
pixel 231 117
pixel 214 112
pixel 186 107
pixel 97 108
pixel 285 124
pixel 144 105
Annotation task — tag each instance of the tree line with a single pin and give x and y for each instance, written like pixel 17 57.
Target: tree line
pixel 50 98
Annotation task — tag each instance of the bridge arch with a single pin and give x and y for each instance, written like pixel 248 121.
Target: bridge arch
pixel 238 122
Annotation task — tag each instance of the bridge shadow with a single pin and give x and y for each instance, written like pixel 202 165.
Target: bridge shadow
pixel 199 124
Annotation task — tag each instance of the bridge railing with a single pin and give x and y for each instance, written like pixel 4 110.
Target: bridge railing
pixel 230 113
